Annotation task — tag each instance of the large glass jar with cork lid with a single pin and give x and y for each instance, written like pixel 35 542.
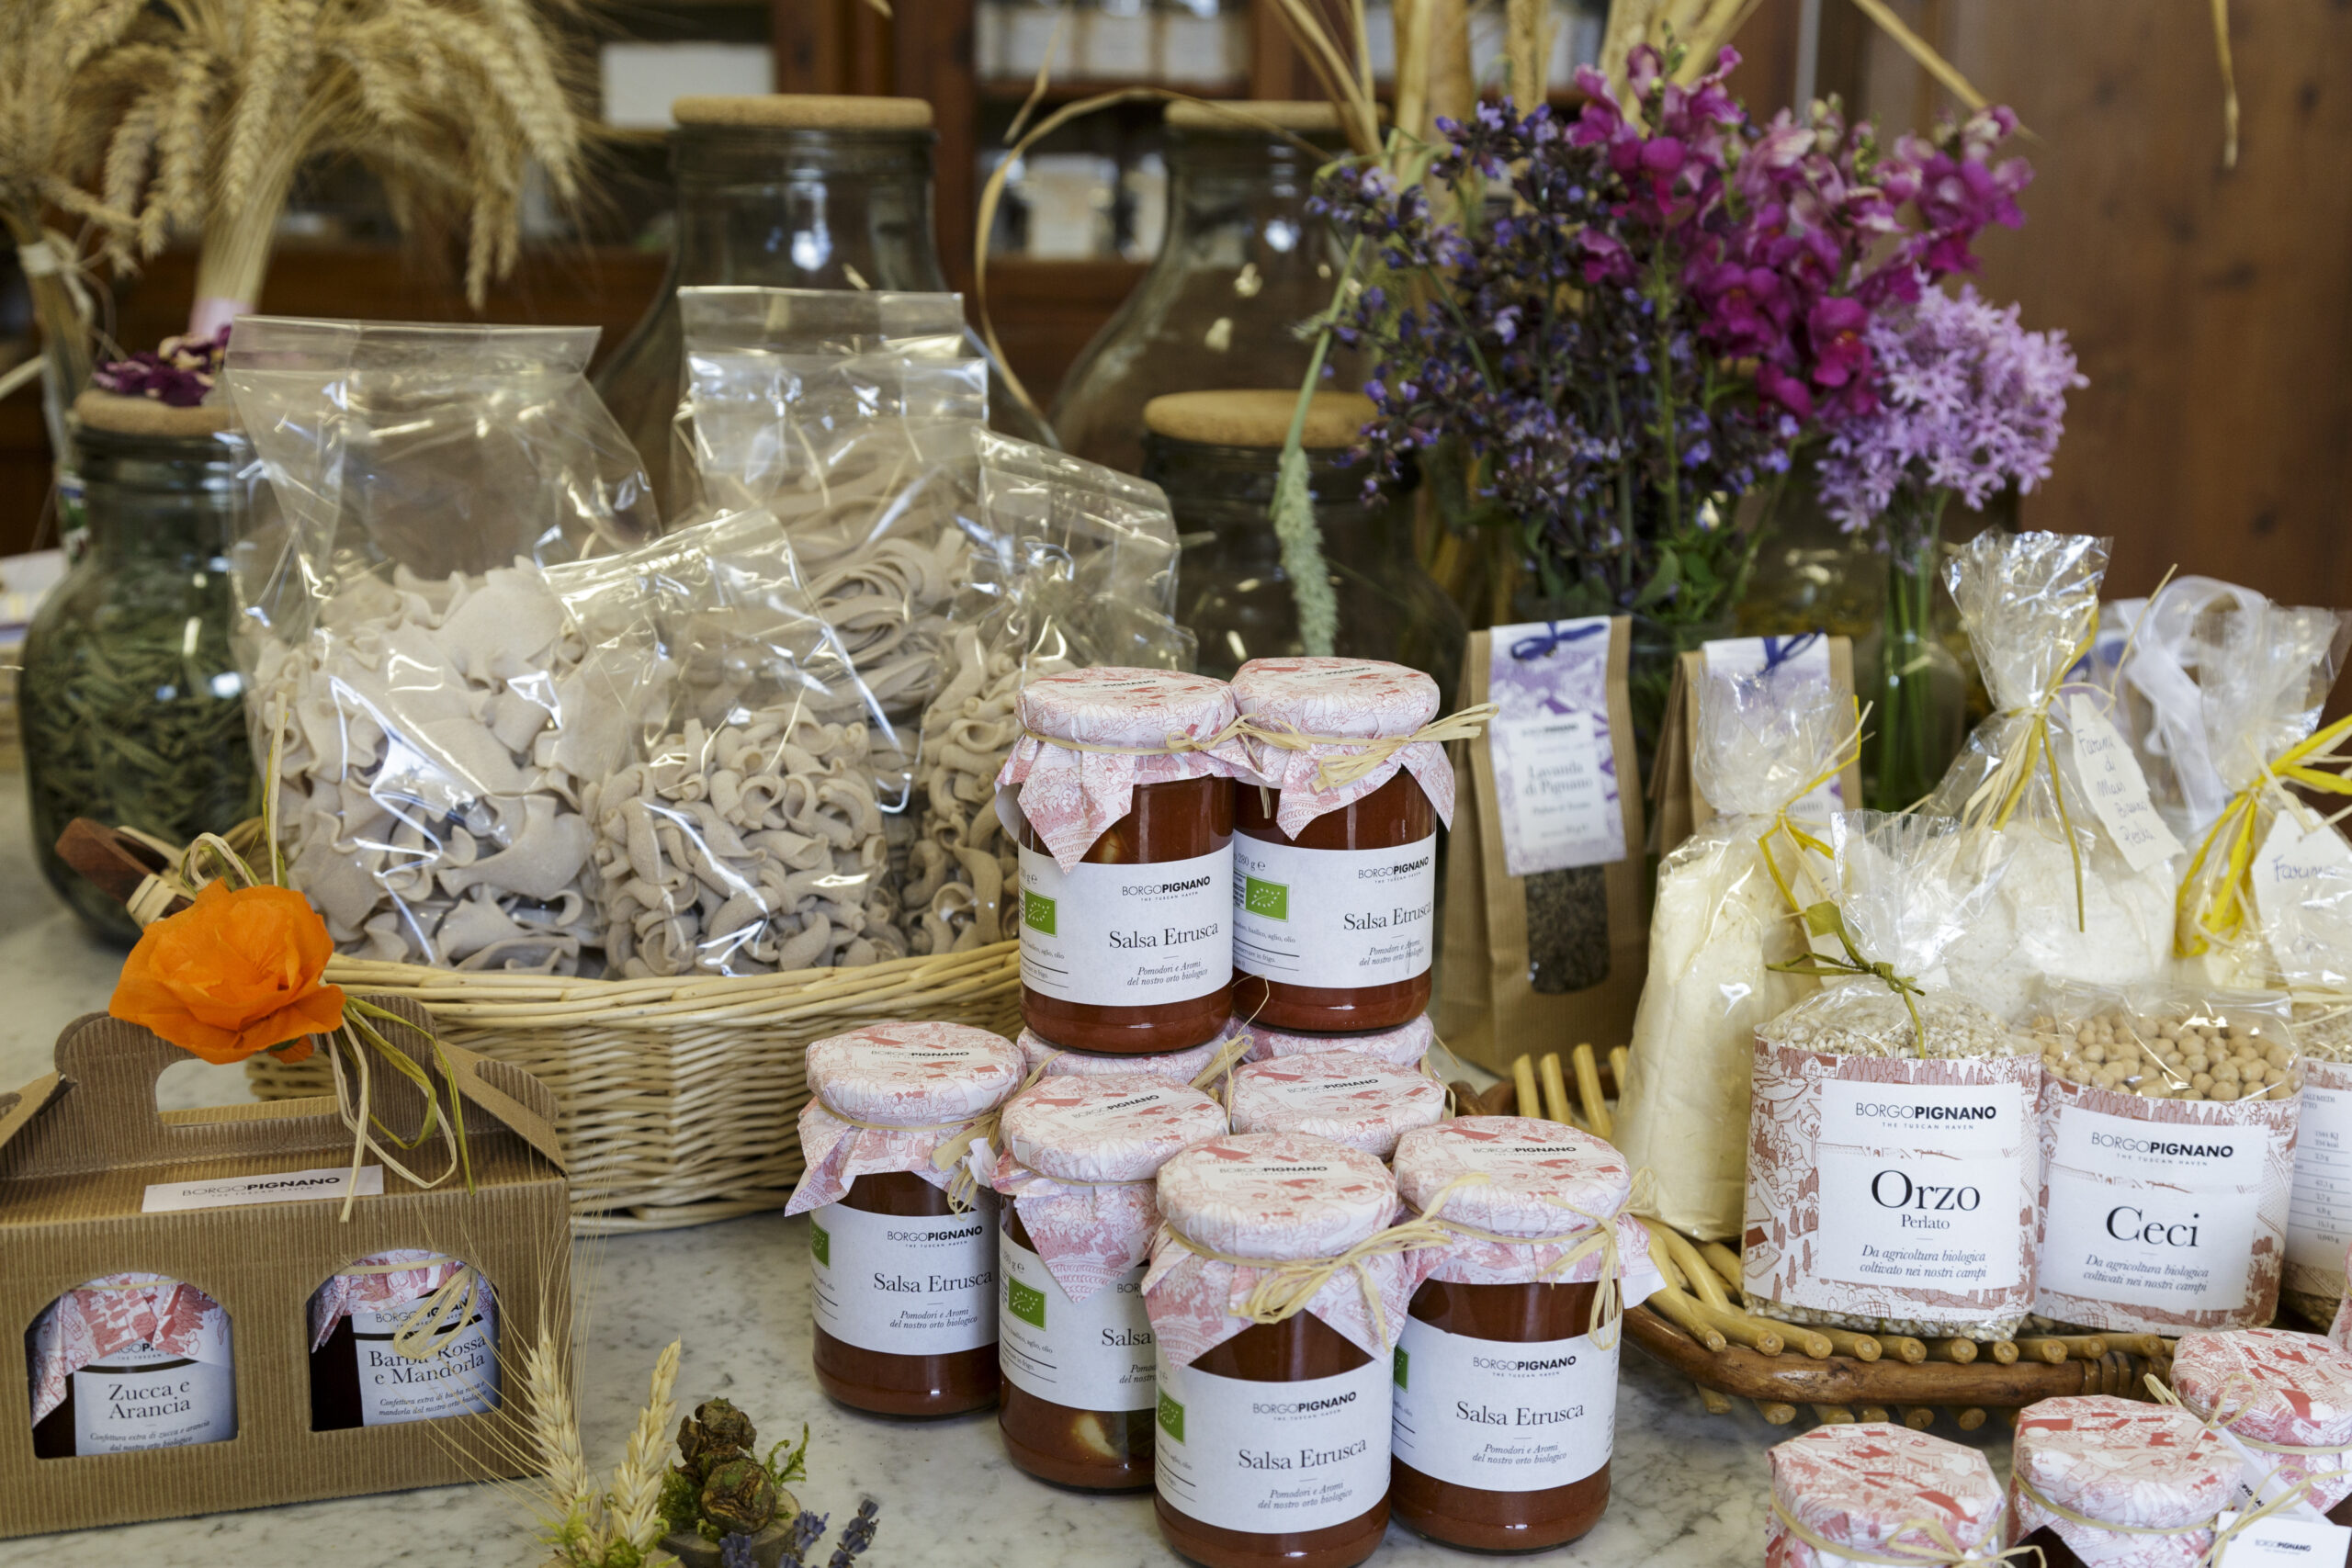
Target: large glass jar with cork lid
pixel 785 190
pixel 1216 454
pixel 1243 262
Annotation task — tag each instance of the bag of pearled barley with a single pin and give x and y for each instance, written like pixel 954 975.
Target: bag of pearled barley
pixel 1891 1167
pixel 2167 1126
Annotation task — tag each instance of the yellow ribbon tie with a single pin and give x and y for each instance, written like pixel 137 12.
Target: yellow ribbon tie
pixel 422 1335
pixel 1365 754
pixel 2213 905
pixel 2007 784
pixel 1799 839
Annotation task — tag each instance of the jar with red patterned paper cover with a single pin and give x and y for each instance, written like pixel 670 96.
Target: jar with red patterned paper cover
pixel 1120 791
pixel 1360 1101
pixel 901 1235
pixel 1239 1211
pixel 403 1335
pixel 2118 1481
pixel 131 1362
pixel 1185 1066
pixel 1335 879
pixel 1407 1045
pixel 2292 1398
pixel 1506 1371
pixel 1081 1154
pixel 1880 1489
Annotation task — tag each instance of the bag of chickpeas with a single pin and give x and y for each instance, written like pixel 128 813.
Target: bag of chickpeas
pixel 2168 1125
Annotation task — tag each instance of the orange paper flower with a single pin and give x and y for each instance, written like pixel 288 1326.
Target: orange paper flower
pixel 236 973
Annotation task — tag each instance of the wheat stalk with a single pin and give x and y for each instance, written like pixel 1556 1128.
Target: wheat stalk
pixel 637 1480
pixel 575 1512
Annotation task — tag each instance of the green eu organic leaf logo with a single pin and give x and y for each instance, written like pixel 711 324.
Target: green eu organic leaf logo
pixel 1172 1416
pixel 1037 912
pixel 1398 1373
pixel 820 1246
pixel 1271 899
pixel 1025 1302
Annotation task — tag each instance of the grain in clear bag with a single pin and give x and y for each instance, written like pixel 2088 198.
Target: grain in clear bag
pixel 1892 1169
pixel 1076 566
pixel 1728 907
pixel 2088 892
pixel 2168 1122
pixel 447 638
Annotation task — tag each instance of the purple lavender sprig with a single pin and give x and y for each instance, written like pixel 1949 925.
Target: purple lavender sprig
pixel 735 1551
pixel 1968 401
pixel 178 375
pixel 808 1528
pixel 857 1535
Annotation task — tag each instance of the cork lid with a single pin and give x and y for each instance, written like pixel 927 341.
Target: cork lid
pixel 1286 114
pixel 146 416
pixel 913 1075
pixel 1256 417
pixel 804 111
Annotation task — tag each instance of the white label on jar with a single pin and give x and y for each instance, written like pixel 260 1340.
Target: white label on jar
pixel 2319 1223
pixel 1921 1184
pixel 1126 936
pixel 1503 1417
pixel 143 1398
pixel 1273 1458
pixel 906 1284
pixel 460 1378
pixel 2172 1223
pixel 1090 1355
pixel 2300 1536
pixel 2118 790
pixel 1333 919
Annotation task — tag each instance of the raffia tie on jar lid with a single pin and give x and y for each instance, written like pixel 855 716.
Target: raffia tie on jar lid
pixel 1404 1047
pixel 112 1313
pixel 1259 1227
pixel 2287 1396
pixel 902 1097
pixel 1354 1099
pixel 1870 1491
pixel 1088 737
pixel 1200 1065
pixel 438 1285
pixel 2123 1483
pixel 1523 1200
pixel 1079 1162
pixel 1327 732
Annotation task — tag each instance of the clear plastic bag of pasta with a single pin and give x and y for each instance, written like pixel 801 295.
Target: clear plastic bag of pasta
pixel 747 835
pixel 850 417
pixel 1893 1164
pixel 1077 566
pixel 448 633
pixel 2088 895
pixel 1723 918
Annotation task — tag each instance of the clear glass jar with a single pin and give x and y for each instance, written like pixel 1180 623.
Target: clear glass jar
pixel 133 710
pixel 1233 592
pixel 1242 263
pixel 782 192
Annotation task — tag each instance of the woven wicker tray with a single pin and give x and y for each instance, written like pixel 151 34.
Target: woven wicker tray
pixel 678 1099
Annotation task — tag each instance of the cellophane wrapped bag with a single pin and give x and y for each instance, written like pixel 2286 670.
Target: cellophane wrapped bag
pixel 1725 915
pixel 2088 892
pixel 1077 566
pixel 1892 1168
pixel 446 638
pixel 2168 1127
pixel 747 834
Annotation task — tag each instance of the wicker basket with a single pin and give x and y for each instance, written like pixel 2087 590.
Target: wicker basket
pixel 678 1099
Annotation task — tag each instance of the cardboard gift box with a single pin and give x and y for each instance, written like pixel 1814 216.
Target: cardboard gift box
pixel 80 1151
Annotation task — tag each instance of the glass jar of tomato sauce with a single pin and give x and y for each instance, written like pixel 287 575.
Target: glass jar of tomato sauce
pixel 1507 1322
pixel 1075 1342
pixel 1335 878
pixel 1124 781
pixel 901 1241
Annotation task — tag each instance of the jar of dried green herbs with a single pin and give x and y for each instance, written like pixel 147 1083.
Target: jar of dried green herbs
pixel 134 711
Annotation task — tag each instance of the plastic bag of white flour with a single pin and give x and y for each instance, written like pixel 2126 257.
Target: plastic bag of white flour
pixel 2088 894
pixel 1892 1169
pixel 1729 907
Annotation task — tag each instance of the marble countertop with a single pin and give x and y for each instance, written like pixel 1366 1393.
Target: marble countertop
pixel 1689 1489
